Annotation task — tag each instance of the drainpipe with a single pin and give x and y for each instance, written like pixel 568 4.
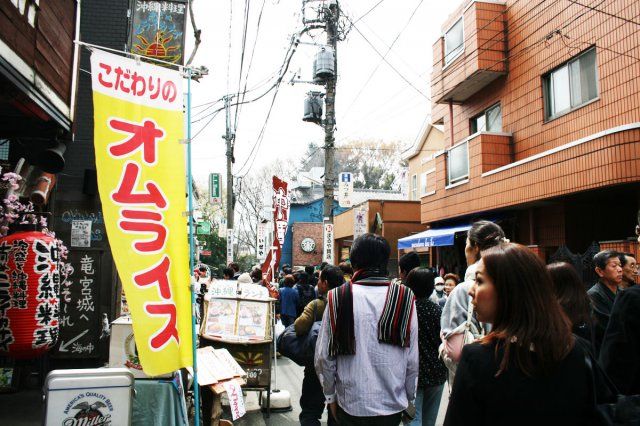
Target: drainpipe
pixel 451 122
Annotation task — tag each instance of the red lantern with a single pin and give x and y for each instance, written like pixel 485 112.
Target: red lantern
pixel 29 288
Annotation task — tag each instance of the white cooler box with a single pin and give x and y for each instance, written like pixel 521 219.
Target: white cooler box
pixel 92 396
pixel 122 349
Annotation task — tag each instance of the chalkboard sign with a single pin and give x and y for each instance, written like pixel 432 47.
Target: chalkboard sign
pixel 80 306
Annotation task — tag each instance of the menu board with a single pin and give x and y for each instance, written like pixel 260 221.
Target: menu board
pixel 236 319
pixel 221 317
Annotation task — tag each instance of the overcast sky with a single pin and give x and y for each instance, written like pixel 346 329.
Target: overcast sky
pixel 386 108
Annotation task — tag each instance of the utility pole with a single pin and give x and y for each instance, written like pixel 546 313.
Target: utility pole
pixel 229 137
pixel 331 17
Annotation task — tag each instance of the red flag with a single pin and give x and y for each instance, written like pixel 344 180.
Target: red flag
pixel 280 224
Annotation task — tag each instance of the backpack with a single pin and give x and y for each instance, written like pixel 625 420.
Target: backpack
pixel 307 294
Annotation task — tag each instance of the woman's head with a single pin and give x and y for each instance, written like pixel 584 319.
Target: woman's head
pixel 450 281
pixel 420 281
pixel 481 236
pixel 330 278
pixel 570 292
pixel 513 291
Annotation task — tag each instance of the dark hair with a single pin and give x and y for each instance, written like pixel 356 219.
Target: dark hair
pixel 454 277
pixel 228 272
pixel 322 265
pixel 289 280
pixel 256 275
pixel 527 312
pixel 309 270
pixel 570 292
pixel 485 234
pixel 601 259
pixel 409 261
pixel 302 278
pixel 420 281
pixel 370 251
pixel 623 258
pixel 333 276
pixel 346 268
pixel 286 269
pixel 234 266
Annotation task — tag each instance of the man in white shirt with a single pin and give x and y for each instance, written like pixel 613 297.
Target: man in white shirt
pixel 367 349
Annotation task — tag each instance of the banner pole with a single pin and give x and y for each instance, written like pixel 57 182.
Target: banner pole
pixel 194 334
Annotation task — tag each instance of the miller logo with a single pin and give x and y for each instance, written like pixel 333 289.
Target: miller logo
pixel 88 415
pixel 88 409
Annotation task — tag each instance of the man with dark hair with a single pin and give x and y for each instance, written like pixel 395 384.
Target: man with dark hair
pixel 620 350
pixel 227 273
pixel 603 293
pixel 367 349
pixel 312 399
pixel 311 277
pixel 629 269
pixel 288 301
pixel 407 262
pixel 236 270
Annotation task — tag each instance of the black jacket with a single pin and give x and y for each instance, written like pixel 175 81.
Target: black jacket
pixel 602 301
pixel 620 352
pixel 512 398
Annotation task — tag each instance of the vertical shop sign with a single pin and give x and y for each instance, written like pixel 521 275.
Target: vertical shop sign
pixel 139 123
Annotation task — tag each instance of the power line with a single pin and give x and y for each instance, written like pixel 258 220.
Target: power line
pixel 605 13
pixel 368 12
pixel 386 61
pixel 230 34
pixel 381 60
pixel 247 5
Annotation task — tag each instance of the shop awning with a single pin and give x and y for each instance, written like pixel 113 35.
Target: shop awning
pixel 431 238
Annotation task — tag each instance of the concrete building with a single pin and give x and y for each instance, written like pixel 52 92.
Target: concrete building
pixel 540 107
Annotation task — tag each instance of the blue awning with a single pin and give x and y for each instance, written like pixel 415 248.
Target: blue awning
pixel 431 238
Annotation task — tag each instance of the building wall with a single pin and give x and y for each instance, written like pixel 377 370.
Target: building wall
pixel 606 160
pixel 76 195
pixel 301 231
pixel 430 143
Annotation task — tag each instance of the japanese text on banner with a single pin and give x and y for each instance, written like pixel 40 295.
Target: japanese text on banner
pixel 141 178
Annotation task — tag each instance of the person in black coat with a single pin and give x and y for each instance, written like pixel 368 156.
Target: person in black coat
pixel 620 352
pixel 528 370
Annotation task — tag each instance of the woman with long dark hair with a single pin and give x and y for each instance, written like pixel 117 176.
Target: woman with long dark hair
pixel 527 370
pixel 456 312
pixel 572 296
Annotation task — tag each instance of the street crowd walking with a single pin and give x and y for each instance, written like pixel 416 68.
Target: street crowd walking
pixel 519 342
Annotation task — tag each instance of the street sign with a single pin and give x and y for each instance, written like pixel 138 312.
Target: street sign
pixel 345 189
pixel 214 188
pixel 327 246
pixel 360 222
pixel 261 246
pixel 203 228
pixel 229 246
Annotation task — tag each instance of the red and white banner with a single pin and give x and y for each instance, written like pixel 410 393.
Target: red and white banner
pixel 281 206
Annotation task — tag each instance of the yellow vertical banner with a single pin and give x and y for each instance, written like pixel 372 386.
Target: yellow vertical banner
pixel 138 125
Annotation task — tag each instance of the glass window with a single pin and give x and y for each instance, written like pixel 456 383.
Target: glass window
pixel 489 121
pixel 414 187
pixel 571 85
pixel 458 163
pixel 453 42
pixel 423 183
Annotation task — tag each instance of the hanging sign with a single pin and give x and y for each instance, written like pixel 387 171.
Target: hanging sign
pixel 139 120
pixel 360 222
pixel 345 189
pixel 214 188
pixel 281 205
pixel 261 241
pixel 229 246
pixel 327 251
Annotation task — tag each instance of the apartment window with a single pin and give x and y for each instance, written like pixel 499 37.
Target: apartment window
pixel 458 163
pixel 453 42
pixel 489 121
pixel 414 187
pixel 571 85
pixel 423 184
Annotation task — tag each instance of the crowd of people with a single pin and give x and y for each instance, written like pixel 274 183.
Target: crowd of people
pixel 519 342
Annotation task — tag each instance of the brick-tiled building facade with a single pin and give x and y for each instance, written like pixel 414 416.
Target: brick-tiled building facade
pixel 309 253
pixel 540 105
